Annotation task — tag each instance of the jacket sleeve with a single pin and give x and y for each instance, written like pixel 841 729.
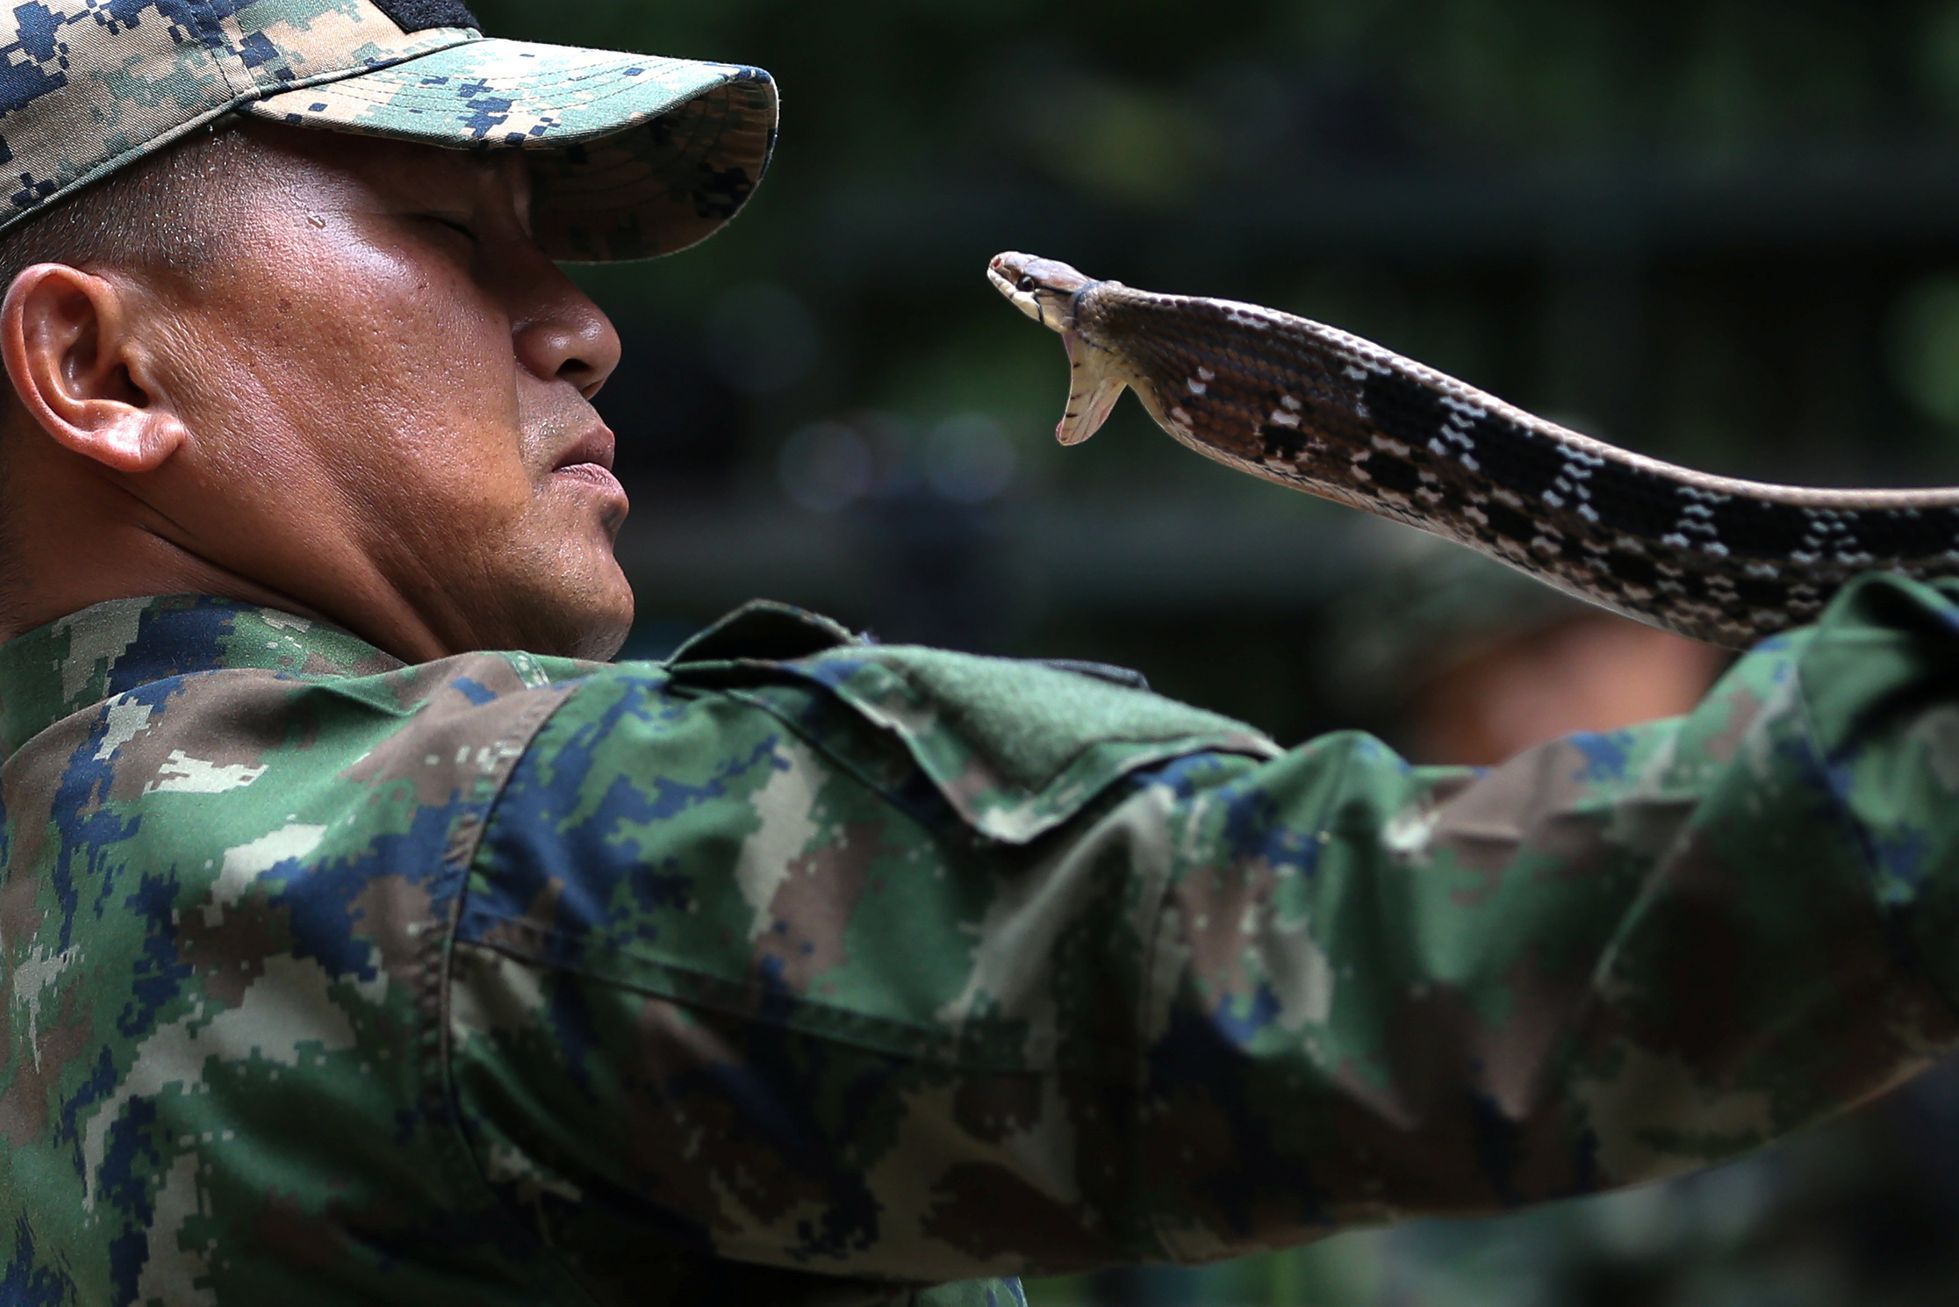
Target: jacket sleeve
pixel 903 965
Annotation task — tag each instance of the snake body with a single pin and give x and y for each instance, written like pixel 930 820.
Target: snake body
pixel 1319 410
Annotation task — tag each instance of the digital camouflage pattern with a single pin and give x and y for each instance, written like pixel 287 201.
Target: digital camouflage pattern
pixel 800 970
pixel 636 155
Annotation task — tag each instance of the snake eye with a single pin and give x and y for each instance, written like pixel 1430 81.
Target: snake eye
pixel 1025 283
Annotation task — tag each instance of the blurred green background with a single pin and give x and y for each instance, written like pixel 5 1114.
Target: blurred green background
pixel 1723 233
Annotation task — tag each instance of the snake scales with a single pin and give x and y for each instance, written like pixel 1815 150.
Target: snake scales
pixel 1325 412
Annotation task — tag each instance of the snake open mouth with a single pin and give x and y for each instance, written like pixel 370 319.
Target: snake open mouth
pixel 1321 411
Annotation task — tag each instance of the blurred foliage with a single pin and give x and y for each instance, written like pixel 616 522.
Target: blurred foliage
pixel 1724 232
pixel 1714 232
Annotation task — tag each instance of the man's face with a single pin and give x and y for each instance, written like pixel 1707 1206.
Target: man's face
pixel 387 389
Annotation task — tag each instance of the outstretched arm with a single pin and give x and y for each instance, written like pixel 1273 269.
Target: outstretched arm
pixel 898 964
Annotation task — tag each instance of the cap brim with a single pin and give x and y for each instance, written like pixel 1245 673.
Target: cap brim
pixel 637 155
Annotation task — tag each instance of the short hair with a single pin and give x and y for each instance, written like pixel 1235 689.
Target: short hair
pixel 144 217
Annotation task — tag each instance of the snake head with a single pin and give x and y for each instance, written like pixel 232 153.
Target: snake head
pixel 1049 292
pixel 1043 289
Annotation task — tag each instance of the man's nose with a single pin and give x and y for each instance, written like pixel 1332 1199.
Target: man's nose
pixel 567 337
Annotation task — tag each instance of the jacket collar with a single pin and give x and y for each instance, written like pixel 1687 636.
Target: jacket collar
pixel 115 647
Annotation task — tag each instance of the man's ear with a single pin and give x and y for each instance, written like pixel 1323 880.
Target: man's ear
pixel 65 338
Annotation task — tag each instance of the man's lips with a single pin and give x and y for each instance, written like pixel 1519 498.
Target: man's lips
pixel 589 462
pixel 591 472
pixel 595 446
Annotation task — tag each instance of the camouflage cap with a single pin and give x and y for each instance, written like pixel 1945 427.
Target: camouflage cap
pixel 638 155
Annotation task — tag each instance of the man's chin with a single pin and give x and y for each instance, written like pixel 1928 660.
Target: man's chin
pixel 586 616
pixel 600 631
pixel 603 646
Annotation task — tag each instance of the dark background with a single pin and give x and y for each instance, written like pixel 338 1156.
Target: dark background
pixel 1723 233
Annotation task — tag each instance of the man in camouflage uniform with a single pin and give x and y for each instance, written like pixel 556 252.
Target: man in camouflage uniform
pixel 345 962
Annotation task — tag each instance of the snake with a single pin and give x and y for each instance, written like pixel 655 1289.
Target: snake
pixel 1323 411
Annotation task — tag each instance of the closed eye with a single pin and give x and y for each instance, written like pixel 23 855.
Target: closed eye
pixel 453 224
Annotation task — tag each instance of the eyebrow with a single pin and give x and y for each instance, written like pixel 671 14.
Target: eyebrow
pixel 489 167
pixel 495 163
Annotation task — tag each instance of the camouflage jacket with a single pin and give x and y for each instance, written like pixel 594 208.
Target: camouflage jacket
pixel 800 970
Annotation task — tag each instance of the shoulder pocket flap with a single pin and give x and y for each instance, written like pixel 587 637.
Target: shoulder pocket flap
pixel 1015 747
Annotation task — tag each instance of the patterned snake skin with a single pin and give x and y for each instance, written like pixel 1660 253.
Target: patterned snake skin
pixel 1328 413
